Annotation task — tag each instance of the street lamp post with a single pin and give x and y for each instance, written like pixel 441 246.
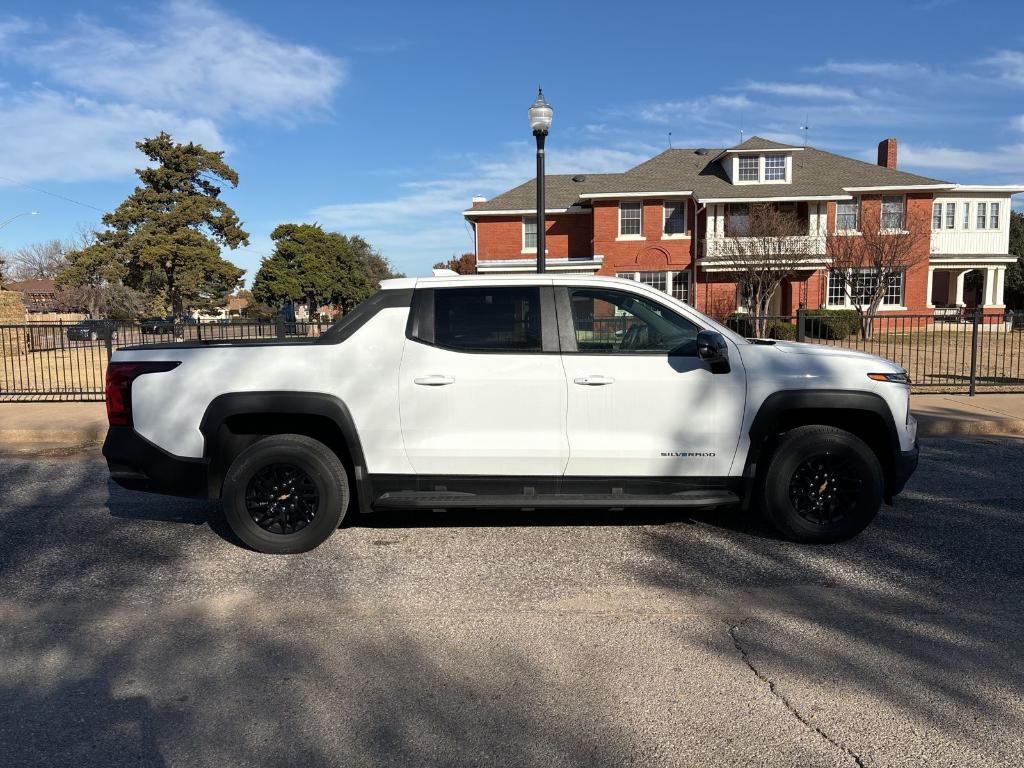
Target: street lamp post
pixel 5 222
pixel 540 121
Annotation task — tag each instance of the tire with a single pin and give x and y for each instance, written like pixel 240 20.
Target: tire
pixel 822 485
pixel 314 502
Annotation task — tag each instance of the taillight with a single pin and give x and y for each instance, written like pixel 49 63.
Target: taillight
pixel 119 388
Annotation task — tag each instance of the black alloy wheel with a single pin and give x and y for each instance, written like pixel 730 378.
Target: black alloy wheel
pixel 282 498
pixel 824 489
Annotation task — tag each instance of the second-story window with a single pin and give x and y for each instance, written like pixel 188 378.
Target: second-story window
pixel 892 212
pixel 950 215
pixel 749 167
pixel 737 220
pixel 675 217
pixel 629 218
pixel 846 215
pixel 936 215
pixel 982 215
pixel 993 216
pixel 774 168
pixel 967 214
pixel 530 233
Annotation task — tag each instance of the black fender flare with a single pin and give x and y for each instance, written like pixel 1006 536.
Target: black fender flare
pixel 777 404
pixel 319 404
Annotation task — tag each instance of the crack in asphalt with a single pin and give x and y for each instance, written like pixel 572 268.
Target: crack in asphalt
pixel 773 689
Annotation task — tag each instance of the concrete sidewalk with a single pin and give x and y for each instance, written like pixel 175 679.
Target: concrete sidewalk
pixel 32 427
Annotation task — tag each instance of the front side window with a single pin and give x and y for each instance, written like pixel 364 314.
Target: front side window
pixel 993 216
pixel 894 290
pixel 654 279
pixel 857 286
pixel 936 215
pixel 629 218
pixel 617 322
pixel 967 215
pixel 847 212
pixel 530 233
pixel 675 218
pixel 488 319
pixel 892 212
pixel 748 167
pixel 950 215
pixel 737 219
pixel 836 287
pixel 775 168
pixel 681 286
pixel 982 214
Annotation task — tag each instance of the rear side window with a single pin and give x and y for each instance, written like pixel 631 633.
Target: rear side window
pixel 488 319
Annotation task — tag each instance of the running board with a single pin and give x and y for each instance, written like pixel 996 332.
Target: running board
pixel 450 500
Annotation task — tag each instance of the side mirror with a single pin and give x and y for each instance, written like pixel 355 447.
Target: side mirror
pixel 713 349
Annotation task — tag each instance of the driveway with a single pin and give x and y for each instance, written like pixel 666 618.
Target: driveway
pixel 133 631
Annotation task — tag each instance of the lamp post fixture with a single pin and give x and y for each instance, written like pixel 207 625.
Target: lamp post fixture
pixel 5 222
pixel 540 121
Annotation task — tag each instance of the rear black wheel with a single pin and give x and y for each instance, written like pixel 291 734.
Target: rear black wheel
pixel 285 494
pixel 822 484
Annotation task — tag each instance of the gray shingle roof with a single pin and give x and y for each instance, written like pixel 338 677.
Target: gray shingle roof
pixel 815 174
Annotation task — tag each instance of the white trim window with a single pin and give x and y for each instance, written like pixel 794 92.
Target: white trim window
pixel 656 280
pixel 967 214
pixel 993 215
pixel 774 167
pixel 748 168
pixel 848 215
pixel 950 215
pixel 893 212
pixel 936 215
pixel 674 218
pixel 681 286
pixel 529 234
pixel 982 215
pixel 631 219
pixel 861 284
pixel 737 219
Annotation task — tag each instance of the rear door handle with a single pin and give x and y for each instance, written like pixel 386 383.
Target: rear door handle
pixel 594 381
pixel 435 380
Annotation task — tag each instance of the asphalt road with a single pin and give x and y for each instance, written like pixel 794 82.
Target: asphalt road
pixel 134 631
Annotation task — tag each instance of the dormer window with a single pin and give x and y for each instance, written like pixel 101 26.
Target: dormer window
pixel 749 167
pixel 775 168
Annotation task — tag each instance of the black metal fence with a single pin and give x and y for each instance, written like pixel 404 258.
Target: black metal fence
pixel 67 361
pixel 967 352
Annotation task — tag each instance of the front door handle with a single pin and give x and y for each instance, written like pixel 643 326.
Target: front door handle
pixel 436 380
pixel 594 381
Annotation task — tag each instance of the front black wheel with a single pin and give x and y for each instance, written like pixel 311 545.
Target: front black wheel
pixel 285 494
pixel 822 484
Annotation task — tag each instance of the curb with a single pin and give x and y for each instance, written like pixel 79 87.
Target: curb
pixel 938 426
pixel 88 435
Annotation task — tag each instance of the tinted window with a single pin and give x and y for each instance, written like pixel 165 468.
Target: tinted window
pixel 619 322
pixel 482 319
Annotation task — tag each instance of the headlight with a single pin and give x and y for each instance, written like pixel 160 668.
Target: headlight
pixel 893 378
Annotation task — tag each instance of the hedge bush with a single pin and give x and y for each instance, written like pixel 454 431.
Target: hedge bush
pixel 832 323
pixel 743 324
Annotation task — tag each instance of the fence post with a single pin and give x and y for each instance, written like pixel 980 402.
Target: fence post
pixel 801 323
pixel 974 351
pixel 279 321
pixel 110 342
pixel 199 330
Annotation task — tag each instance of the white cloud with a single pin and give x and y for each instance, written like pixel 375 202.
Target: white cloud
pixel 192 57
pixel 1007 159
pixel 1009 66
pixel 886 69
pixel 45 135
pixel 803 91
pixel 702 110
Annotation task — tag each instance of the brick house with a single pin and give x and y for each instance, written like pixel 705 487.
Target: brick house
pixel 664 223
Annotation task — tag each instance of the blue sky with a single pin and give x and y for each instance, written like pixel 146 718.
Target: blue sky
pixel 384 119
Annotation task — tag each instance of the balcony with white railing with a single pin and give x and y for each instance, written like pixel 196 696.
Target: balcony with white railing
pixel 725 249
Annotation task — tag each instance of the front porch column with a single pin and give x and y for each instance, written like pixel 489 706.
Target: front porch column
pixel 928 296
pixel 1000 284
pixel 956 289
pixel 988 294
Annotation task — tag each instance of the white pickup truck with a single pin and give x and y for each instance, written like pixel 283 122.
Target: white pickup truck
pixel 513 392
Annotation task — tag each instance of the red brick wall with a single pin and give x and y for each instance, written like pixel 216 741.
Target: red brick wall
pixel 652 253
pixel 501 237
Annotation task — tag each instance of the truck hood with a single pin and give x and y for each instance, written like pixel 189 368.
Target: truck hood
pixel 822 350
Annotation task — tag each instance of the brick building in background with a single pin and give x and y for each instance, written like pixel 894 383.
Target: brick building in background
pixel 667 221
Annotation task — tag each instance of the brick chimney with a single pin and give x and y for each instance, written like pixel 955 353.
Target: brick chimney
pixel 478 200
pixel 887 153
